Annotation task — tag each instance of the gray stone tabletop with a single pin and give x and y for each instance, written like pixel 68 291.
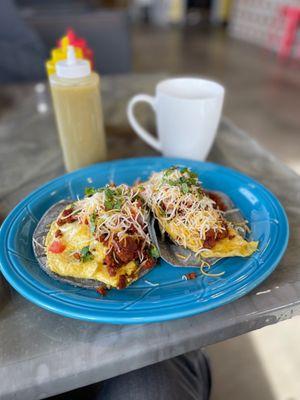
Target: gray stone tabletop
pixel 42 354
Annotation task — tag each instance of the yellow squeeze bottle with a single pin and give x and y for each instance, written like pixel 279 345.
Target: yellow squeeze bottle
pixel 58 54
pixel 78 110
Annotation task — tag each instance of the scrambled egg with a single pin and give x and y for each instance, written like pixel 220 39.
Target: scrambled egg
pixel 75 237
pixel 234 247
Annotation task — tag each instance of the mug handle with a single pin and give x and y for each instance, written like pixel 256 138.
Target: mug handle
pixel 136 126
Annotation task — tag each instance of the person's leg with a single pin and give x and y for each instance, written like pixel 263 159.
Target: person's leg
pixel 186 377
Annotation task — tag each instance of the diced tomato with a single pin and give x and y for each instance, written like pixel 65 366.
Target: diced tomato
pixel 58 233
pixel 148 263
pixel 122 282
pixel 101 290
pixel 191 275
pixel 57 247
pixel 217 199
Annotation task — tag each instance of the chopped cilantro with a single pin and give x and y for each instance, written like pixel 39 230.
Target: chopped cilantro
pixel 200 193
pixel 113 199
pixel 172 183
pixel 154 251
pixel 137 197
pixel 184 188
pixel 184 182
pixel 118 204
pixel 184 170
pixel 109 193
pixel 190 173
pixel 89 191
pixel 118 191
pixel 193 175
pixel 85 254
pixel 108 205
pixel 169 170
pixel 93 218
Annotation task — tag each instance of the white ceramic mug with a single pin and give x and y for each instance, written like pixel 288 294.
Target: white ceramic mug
pixel 187 112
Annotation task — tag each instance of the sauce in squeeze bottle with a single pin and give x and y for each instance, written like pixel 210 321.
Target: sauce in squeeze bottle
pixel 77 103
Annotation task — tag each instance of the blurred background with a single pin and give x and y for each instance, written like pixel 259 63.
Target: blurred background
pixel 250 46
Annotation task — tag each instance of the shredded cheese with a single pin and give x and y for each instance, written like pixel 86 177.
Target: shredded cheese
pixel 129 218
pixel 185 210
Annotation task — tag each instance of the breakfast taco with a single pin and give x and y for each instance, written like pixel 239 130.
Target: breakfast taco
pixel 191 217
pixel 102 238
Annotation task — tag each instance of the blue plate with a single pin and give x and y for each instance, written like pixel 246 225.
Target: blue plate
pixel 162 294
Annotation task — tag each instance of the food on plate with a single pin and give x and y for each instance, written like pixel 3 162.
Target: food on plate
pixel 103 237
pixel 191 217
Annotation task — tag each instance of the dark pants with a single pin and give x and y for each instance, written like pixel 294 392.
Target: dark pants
pixel 186 377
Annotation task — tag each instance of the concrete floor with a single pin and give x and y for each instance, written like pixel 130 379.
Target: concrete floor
pixel 261 365
pixel 263 98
